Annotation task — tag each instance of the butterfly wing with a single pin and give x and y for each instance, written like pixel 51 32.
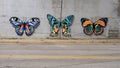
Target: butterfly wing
pixel 100 25
pixel 87 25
pixel 66 23
pixel 68 20
pixel 18 25
pixel 54 24
pixel 30 25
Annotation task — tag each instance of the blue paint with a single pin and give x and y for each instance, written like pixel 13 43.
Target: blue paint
pixel 27 27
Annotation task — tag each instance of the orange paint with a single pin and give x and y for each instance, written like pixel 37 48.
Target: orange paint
pixel 27 27
pixel 63 29
pixel 56 30
pixel 87 22
pixel 100 22
pixel 21 28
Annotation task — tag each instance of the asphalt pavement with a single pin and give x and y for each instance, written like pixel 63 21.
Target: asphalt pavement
pixel 21 55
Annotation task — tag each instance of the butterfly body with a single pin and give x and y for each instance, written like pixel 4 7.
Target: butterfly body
pixel 97 28
pixel 27 27
pixel 56 25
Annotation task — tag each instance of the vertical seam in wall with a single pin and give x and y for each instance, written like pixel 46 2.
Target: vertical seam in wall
pixel 61 10
pixel 118 8
pixel 61 16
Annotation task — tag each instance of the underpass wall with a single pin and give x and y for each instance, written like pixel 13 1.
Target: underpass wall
pixel 92 9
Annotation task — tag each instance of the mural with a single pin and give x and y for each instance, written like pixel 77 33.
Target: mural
pixel 97 28
pixel 65 24
pixel 27 27
pixel 55 25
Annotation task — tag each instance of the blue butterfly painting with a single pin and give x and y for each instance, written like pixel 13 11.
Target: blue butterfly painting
pixel 56 25
pixel 97 27
pixel 27 27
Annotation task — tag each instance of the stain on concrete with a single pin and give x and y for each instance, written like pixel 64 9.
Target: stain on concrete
pixel 56 3
pixel 56 7
pixel 118 8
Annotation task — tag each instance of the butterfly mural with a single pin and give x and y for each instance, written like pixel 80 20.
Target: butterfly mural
pixel 27 27
pixel 55 25
pixel 97 28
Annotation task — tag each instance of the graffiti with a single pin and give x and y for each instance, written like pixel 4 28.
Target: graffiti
pixel 27 27
pixel 97 28
pixel 55 25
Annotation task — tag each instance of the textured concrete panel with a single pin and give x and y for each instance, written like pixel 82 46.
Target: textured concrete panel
pixel 94 10
pixel 26 9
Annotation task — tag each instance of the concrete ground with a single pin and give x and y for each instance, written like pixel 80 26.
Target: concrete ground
pixel 24 55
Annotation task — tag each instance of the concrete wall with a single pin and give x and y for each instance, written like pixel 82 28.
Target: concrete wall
pixel 93 9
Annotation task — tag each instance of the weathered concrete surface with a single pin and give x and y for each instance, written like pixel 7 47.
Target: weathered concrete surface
pixel 24 50
pixel 61 41
pixel 93 9
pixel 26 9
